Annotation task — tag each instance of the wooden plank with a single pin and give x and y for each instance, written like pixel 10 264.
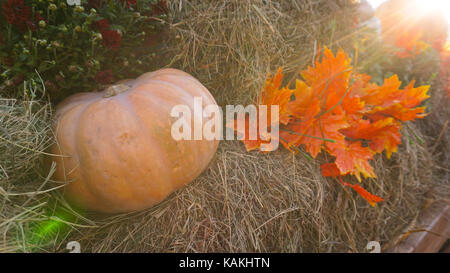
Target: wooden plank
pixel 429 233
pixel 446 248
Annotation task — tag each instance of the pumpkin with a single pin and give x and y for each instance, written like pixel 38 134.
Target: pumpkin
pixel 115 147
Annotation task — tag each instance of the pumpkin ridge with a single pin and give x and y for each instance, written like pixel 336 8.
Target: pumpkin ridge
pixel 137 89
pixel 164 71
pixel 175 73
pixel 128 105
pixel 72 101
pixel 184 91
pixel 151 97
pixel 79 138
pixel 118 179
pixel 207 96
pixel 82 178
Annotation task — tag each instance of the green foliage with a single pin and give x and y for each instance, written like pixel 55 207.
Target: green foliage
pixel 76 48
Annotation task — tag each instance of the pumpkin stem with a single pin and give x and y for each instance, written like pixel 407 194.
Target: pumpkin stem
pixel 114 90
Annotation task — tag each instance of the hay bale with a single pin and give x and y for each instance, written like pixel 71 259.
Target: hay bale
pixel 270 203
pixel 230 46
pixel 25 134
pixel 249 202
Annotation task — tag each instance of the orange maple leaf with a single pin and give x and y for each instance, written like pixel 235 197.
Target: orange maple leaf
pixel 382 135
pixel 272 94
pixel 397 111
pixel 353 159
pixel 384 95
pixel 330 170
pixel 305 100
pixel 249 144
pixel 339 111
pixel 389 100
pixel 316 133
pixel 317 110
pixel 371 198
pixel 332 74
pixel 353 106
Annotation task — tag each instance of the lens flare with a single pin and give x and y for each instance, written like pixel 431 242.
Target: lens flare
pixel 425 6
pixel 45 232
pixel 442 6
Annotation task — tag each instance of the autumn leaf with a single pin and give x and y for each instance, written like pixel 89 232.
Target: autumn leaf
pixel 413 96
pixel 330 170
pixel 371 198
pixel 389 100
pixel 332 74
pixel 314 134
pixel 339 111
pixel 382 135
pixel 353 106
pixel 292 134
pixel 306 105
pixel 353 159
pixel 382 96
pixel 317 111
pixel 274 95
pixel 397 111
pixel 250 143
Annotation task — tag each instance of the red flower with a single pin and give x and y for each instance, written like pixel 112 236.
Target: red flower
pixel 96 4
pixel 17 13
pixel 149 40
pixel 102 24
pixel 111 39
pixel 8 61
pixel 59 79
pixel 104 77
pixel 130 3
pixel 18 79
pixel 152 39
pixel 160 7
pixel 33 25
pixel 50 86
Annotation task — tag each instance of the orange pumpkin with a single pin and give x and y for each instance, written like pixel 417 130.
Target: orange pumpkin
pixel 115 146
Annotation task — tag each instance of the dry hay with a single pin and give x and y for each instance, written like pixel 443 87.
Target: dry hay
pixel 249 202
pixel 24 137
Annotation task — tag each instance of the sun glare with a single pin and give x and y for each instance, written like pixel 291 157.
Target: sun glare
pixel 425 5
pixel 375 3
pixel 441 5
